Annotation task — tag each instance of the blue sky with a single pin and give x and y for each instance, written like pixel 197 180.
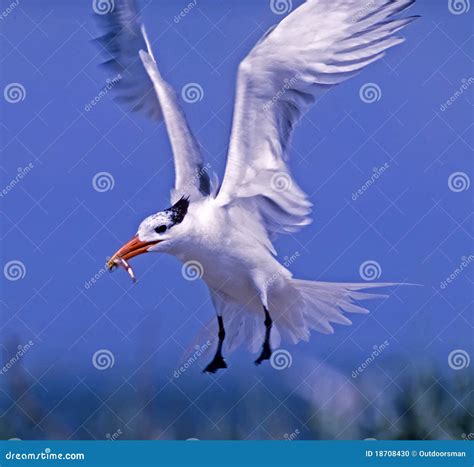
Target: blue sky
pixel 415 225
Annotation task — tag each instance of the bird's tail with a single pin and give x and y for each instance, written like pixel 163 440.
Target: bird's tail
pixel 303 306
pixel 296 308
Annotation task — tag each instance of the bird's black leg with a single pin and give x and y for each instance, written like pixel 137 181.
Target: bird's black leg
pixel 218 361
pixel 266 349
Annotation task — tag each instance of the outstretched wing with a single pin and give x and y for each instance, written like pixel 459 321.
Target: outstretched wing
pixel 321 44
pixel 138 83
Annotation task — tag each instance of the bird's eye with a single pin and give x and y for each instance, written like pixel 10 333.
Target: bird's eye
pixel 161 229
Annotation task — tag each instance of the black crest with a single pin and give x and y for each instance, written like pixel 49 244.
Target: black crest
pixel 179 210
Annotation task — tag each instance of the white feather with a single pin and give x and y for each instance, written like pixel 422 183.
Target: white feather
pixel 143 89
pixel 321 43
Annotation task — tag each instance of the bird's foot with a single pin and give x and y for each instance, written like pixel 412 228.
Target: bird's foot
pixel 217 363
pixel 265 355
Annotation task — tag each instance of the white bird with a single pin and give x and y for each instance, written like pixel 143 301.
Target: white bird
pixel 227 231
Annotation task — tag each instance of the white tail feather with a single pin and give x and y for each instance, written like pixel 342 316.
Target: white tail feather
pixel 304 306
pixel 297 308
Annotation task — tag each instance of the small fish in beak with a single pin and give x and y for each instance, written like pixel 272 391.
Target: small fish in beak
pixel 111 264
pixel 132 248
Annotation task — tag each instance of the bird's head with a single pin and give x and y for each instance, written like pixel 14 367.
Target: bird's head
pixel 155 233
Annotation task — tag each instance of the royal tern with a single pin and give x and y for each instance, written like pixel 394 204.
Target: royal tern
pixel 228 230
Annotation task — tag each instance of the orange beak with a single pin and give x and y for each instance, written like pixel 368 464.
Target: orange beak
pixel 132 248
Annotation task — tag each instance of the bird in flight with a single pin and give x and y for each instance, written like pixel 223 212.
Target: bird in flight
pixel 228 230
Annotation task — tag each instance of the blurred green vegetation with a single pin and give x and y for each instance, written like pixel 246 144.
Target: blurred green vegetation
pixel 418 406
